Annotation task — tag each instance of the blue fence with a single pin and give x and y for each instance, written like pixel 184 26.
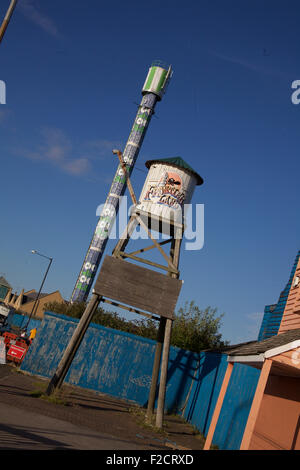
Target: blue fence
pixel 120 364
pixel 15 319
pixel 237 402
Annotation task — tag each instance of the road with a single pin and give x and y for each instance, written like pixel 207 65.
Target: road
pixel 81 420
pixel 26 430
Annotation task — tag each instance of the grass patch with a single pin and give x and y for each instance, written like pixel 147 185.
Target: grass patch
pixel 140 415
pixel 57 398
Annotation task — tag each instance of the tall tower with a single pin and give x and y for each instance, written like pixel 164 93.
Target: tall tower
pixel 144 290
pixel 154 87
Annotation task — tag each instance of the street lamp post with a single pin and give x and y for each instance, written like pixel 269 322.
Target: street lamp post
pixel 43 281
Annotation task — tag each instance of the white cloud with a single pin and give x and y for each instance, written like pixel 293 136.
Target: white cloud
pixel 101 147
pixel 34 14
pixel 77 167
pixel 56 148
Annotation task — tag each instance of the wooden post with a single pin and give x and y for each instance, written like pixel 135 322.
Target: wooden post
pixel 156 366
pixel 73 345
pixel 129 185
pixel 215 417
pixel 255 407
pixel 163 375
pixel 175 253
pixel 7 17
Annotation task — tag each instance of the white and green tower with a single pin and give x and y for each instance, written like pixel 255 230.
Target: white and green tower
pixel 154 87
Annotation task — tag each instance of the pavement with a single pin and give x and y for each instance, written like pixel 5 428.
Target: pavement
pixel 80 419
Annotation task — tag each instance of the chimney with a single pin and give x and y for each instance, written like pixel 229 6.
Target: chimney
pixel 8 296
pixel 19 300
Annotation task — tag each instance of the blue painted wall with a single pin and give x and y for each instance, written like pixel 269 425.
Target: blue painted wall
pixel 120 364
pixel 109 361
pixel 236 406
pixel 16 319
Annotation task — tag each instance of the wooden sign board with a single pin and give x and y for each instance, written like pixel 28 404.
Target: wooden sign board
pixel 138 287
pixel 16 353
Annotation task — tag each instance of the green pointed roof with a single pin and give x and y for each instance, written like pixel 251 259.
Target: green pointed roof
pixel 178 162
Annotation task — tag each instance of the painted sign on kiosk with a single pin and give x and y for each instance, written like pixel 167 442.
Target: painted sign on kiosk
pixel 168 188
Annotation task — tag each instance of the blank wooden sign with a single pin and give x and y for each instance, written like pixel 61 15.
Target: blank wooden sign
pixel 138 287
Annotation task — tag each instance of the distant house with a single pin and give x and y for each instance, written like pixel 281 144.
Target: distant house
pixel 26 301
pixel 4 287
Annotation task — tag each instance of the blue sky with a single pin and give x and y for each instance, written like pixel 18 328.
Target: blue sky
pixel 74 72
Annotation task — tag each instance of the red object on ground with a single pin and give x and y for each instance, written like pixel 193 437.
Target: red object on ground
pixel 17 353
pixel 16 347
pixel 8 337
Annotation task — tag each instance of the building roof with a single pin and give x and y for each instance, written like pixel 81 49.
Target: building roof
pixel 260 347
pixel 178 162
pixel 32 297
pixel 4 283
pixel 273 314
pixel 227 348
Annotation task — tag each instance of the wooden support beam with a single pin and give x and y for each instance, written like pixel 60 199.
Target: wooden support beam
pixel 156 366
pixel 167 258
pixel 130 309
pixel 147 248
pixel 216 414
pixel 163 374
pixel 175 254
pixel 129 185
pixel 123 241
pixel 122 254
pixel 7 18
pixel 256 403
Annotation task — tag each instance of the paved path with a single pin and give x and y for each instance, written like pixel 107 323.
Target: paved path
pixel 21 429
pixel 87 421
